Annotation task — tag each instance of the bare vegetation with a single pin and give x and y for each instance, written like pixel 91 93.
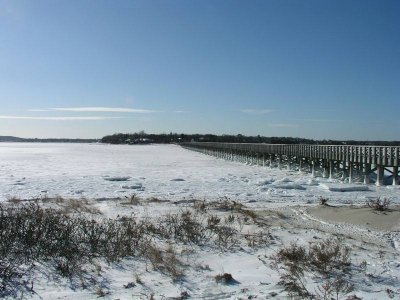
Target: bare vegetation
pixel 200 206
pixel 225 278
pixel 29 233
pixel 323 201
pixel 329 258
pixel 74 234
pixel 379 205
pixel 332 289
pixel 258 239
pixel 226 205
pixel 184 227
pixel 156 200
pixel 13 199
pixel 132 200
pixel 83 205
pixel 164 260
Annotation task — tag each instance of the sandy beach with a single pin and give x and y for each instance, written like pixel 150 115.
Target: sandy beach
pixel 363 216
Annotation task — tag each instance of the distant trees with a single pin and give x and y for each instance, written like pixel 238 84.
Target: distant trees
pixel 127 138
pixel 164 138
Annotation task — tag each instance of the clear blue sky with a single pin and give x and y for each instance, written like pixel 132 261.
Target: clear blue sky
pixel 316 69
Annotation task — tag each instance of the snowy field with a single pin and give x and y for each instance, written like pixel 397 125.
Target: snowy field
pixel 278 207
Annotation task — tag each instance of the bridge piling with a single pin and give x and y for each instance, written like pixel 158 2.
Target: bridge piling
pixel 326 169
pixel 331 166
pixel 313 168
pixel 351 170
pixel 380 172
pixel 367 171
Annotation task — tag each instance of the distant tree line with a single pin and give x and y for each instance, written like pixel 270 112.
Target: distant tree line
pixel 166 138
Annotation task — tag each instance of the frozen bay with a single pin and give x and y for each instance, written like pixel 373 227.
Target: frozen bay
pixel 29 170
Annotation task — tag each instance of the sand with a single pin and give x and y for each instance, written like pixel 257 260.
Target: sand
pixel 360 216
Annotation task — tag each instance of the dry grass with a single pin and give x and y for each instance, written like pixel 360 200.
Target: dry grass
pixel 166 260
pixel 156 200
pixel 200 206
pixel 132 200
pixel 248 213
pixel 226 205
pixel 258 239
pixel 379 205
pixel 82 205
pixel 57 199
pixel 14 199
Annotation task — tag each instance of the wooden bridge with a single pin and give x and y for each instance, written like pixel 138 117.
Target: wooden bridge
pixel 367 163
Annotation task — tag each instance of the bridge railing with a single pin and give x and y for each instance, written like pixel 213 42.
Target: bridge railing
pixel 379 155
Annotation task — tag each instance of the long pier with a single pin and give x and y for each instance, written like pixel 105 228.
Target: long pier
pixel 366 163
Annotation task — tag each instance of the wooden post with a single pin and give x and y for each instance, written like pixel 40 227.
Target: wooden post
pixel 350 172
pixel 326 169
pixel 313 168
pixel 380 174
pixel 395 175
pixel 344 170
pixel 367 171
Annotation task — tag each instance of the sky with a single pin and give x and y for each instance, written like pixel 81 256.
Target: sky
pixel 314 69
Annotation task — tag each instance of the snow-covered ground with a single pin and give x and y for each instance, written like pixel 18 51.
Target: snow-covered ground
pixel 284 201
pixel 29 170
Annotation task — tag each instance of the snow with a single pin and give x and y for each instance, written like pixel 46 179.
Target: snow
pixel 105 174
pixel 345 187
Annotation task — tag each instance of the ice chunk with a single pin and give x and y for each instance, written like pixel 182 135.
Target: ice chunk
pixel 283 180
pixel 310 181
pixel 264 181
pixel 345 187
pixel 290 186
pixel 134 186
pixel 116 178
